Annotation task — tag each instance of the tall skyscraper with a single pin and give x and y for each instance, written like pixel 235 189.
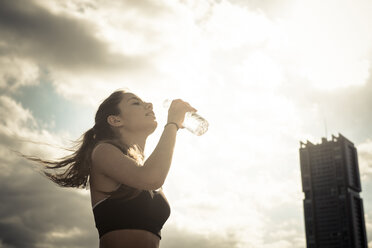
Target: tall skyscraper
pixel 333 209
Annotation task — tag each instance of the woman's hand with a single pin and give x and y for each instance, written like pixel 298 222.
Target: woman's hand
pixel 177 111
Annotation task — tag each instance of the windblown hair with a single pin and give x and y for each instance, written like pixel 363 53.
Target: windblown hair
pixel 74 170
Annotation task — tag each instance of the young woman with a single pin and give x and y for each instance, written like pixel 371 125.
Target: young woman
pixel 128 206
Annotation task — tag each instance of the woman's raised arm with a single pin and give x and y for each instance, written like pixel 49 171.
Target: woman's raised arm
pixel 110 161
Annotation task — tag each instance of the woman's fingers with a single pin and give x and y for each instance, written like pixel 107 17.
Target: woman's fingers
pixel 178 109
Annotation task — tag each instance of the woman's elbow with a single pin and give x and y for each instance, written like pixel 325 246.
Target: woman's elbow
pixel 151 183
pixel 155 179
pixel 156 185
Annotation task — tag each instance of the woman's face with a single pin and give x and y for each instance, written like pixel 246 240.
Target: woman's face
pixel 136 115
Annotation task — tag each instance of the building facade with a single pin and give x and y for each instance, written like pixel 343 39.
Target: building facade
pixel 333 209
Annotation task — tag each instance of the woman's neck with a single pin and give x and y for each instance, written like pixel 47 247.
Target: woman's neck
pixel 132 139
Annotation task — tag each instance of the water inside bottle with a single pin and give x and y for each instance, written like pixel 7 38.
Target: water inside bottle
pixel 193 121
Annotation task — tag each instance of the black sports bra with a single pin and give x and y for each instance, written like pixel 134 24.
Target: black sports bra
pixel 142 212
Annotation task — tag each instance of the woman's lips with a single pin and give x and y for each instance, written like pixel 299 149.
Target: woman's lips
pixel 151 114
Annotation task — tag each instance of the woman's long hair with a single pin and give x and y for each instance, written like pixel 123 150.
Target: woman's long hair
pixel 74 170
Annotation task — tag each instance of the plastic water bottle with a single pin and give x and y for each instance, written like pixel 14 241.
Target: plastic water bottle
pixel 193 122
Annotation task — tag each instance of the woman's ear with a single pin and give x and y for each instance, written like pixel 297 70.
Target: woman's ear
pixel 114 120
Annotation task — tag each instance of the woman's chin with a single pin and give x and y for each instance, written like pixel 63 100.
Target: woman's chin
pixel 153 127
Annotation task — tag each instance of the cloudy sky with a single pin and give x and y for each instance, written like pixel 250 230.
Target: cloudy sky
pixel 266 75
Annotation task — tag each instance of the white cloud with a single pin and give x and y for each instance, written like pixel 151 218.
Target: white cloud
pixel 326 48
pixel 201 43
pixel 368 221
pixel 20 130
pixel 365 159
pixel 28 216
pixel 16 72
pixel 230 27
pixel 176 236
pixel 63 234
pixel 15 116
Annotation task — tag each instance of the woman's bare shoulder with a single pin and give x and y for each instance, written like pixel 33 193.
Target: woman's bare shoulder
pixel 103 148
pixel 109 160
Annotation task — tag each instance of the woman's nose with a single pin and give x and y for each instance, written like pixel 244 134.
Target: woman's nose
pixel 149 105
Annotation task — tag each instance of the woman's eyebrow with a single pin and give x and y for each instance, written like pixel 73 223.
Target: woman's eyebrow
pixel 134 97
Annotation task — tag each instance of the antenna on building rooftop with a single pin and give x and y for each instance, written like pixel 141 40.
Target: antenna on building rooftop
pixel 325 126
